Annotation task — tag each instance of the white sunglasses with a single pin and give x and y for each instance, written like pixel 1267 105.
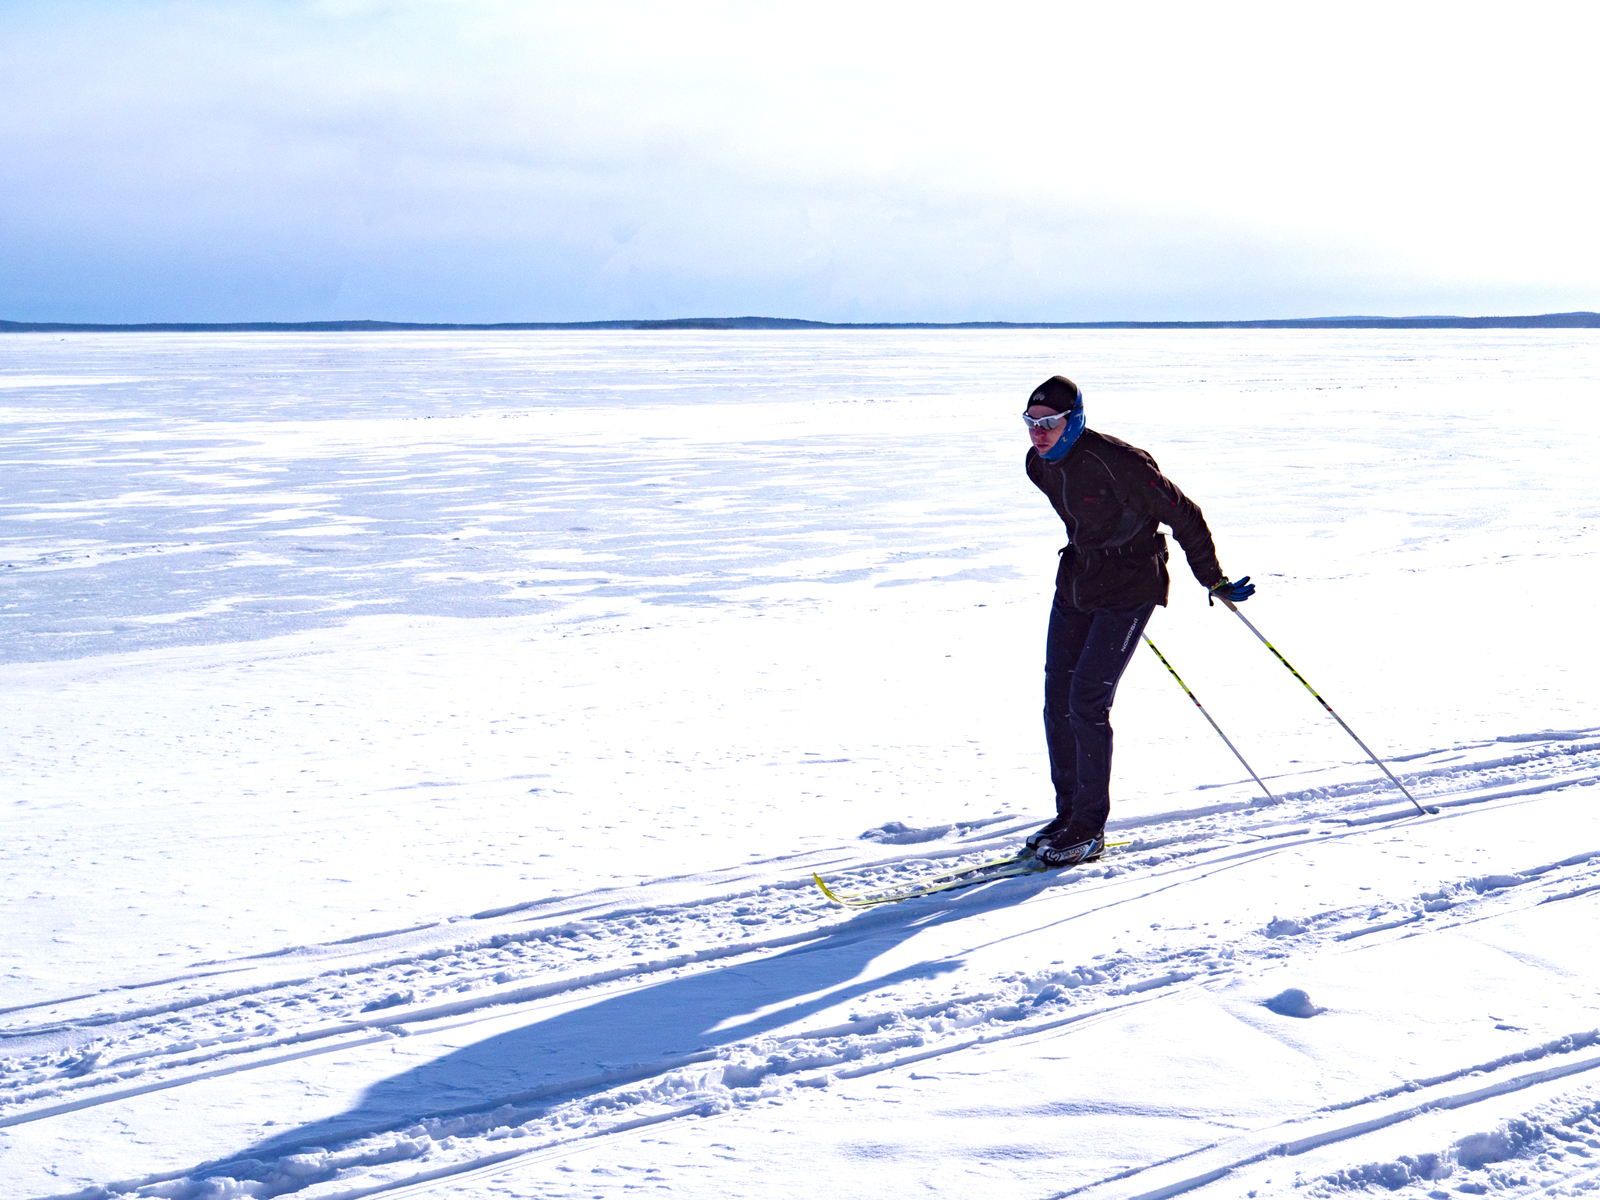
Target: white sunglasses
pixel 1049 422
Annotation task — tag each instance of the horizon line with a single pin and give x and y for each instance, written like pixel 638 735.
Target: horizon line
pixel 1567 320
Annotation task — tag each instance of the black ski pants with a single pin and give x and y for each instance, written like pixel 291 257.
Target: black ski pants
pixel 1085 655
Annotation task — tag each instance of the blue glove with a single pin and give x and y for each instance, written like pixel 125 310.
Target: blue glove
pixel 1235 593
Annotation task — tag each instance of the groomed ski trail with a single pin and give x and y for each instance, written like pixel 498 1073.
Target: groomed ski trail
pixel 250 1025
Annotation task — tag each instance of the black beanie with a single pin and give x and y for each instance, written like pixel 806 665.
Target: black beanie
pixel 1057 392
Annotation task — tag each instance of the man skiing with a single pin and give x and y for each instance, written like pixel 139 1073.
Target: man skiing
pixel 1113 573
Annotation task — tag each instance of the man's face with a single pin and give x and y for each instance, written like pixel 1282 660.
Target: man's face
pixel 1044 439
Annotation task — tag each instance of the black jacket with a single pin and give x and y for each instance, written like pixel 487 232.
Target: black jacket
pixel 1113 497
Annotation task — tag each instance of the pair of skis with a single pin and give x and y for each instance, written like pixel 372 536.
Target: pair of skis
pixel 1022 863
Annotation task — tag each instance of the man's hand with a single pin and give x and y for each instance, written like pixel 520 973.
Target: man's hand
pixel 1232 593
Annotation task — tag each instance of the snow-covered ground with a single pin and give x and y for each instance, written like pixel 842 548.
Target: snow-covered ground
pixel 415 751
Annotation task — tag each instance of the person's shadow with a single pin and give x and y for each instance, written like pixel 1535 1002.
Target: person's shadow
pixel 633 1035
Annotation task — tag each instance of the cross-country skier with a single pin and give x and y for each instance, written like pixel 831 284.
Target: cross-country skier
pixel 1112 575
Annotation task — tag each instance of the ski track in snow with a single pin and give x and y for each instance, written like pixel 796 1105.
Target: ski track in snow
pixel 236 1017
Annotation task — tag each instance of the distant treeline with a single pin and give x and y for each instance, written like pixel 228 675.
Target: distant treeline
pixel 1571 320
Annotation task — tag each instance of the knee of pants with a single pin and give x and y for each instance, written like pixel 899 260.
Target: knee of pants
pixel 1090 701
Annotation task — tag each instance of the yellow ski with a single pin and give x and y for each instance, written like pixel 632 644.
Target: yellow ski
pixel 944 881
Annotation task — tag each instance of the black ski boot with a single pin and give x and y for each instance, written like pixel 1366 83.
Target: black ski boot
pixel 1068 849
pixel 1044 833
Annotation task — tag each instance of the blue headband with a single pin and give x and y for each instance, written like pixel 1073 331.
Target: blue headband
pixel 1068 438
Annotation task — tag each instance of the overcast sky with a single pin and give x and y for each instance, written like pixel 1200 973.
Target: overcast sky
pixel 468 160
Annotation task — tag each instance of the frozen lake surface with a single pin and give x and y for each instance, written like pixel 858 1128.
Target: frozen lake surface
pixel 417 747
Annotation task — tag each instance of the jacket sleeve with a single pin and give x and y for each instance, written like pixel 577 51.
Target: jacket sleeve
pixel 1159 497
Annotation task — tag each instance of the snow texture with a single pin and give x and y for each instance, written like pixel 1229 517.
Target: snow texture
pixel 416 751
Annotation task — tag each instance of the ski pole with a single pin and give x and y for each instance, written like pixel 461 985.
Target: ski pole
pixel 1207 716
pixel 1431 809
